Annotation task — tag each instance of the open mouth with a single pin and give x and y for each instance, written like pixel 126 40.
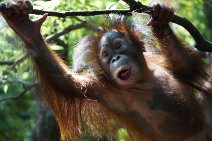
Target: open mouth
pixel 124 74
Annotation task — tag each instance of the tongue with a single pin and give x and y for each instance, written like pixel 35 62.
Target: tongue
pixel 124 74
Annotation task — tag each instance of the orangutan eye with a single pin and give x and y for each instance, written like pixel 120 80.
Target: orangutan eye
pixel 118 45
pixel 105 53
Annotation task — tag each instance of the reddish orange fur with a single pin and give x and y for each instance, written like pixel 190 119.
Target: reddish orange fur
pixel 76 114
pixel 161 106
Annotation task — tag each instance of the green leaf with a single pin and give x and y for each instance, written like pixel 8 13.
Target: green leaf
pixel 5 88
pixel 122 134
pixel 56 47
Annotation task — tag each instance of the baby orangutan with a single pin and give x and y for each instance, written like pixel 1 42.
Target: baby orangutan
pixel 152 96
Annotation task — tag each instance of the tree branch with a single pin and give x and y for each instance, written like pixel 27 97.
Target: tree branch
pixel 65 31
pixel 27 88
pixel 20 59
pixel 81 13
pixel 15 62
pixel 71 28
pixel 201 43
pixel 23 83
pixel 6 63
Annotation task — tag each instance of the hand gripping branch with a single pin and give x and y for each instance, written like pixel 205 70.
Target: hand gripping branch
pixel 135 6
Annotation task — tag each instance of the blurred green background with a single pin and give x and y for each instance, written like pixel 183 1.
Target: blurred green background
pixel 22 116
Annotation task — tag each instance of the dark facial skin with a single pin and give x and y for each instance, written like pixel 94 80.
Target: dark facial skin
pixel 120 58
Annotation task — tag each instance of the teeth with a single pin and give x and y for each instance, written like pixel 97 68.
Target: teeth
pixel 125 74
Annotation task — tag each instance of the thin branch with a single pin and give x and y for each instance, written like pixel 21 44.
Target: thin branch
pixel 71 28
pixel 23 83
pixel 93 27
pixel 81 13
pixel 6 63
pixel 20 59
pixel 27 88
pixel 65 31
pixel 70 13
pixel 15 62
pixel 201 43
pixel 89 25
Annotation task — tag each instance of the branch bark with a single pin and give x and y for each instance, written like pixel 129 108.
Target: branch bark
pixel 15 62
pixel 201 44
pixel 27 88
pixel 65 31
pixel 71 28
pixel 81 13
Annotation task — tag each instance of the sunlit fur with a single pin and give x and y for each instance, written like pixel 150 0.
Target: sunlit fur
pixel 78 115
pixel 163 106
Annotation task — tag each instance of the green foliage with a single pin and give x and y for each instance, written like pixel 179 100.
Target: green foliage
pixel 16 116
pixel 122 134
